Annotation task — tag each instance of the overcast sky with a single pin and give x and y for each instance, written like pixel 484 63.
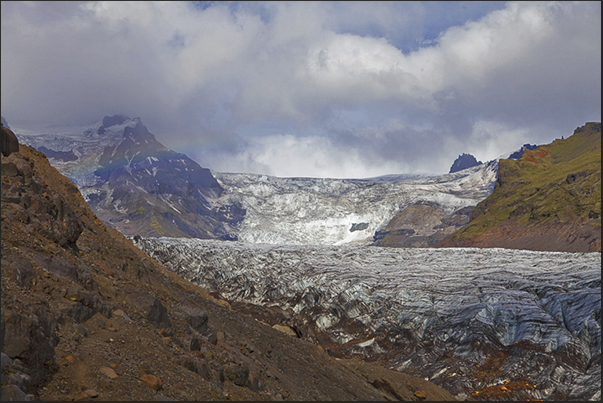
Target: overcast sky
pixel 342 89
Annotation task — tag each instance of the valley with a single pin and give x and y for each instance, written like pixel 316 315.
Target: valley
pixel 349 264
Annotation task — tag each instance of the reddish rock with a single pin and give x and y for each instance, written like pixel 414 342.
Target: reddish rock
pixel 151 381
pixel 109 372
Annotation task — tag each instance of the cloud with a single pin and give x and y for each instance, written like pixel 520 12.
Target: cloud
pixel 310 88
pixel 310 156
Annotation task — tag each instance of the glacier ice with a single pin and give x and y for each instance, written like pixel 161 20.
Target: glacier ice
pixel 426 308
pixel 321 211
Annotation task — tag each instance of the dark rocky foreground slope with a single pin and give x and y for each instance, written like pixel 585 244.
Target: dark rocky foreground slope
pixel 549 199
pixel 87 315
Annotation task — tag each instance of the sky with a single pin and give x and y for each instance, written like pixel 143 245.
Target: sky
pixel 315 89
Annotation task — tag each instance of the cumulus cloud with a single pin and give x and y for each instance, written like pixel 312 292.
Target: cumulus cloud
pixel 343 89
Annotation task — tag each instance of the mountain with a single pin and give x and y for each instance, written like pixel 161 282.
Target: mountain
pixel 464 161
pixel 139 187
pixel 549 199
pixel 4 122
pixel 135 184
pixel 87 315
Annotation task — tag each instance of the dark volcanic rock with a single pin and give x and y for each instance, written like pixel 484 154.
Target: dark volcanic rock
pixel 194 365
pixel 109 121
pixel 10 144
pixel 29 333
pixel 464 161
pixel 519 153
pixel 154 310
pixel 359 226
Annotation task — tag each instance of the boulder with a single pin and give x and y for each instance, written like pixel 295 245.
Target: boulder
pixel 152 381
pixel 9 142
pixel 238 374
pixel 194 365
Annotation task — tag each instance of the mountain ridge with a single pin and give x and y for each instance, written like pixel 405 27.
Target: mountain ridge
pixel 463 161
pixel 549 199
pixel 140 187
pixel 137 185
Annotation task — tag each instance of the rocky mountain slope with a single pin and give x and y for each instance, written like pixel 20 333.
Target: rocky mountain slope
pixel 87 315
pixel 549 199
pixel 135 184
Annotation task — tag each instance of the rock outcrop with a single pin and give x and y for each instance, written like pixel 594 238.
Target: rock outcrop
pixel 421 225
pixel 9 141
pixel 464 161
pixel 519 153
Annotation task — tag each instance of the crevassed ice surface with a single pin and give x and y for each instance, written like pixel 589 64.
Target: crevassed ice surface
pixel 459 303
pixel 305 211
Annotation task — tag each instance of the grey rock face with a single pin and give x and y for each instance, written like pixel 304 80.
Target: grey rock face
pixel 464 161
pixel 519 315
pixel 28 334
pixel 519 153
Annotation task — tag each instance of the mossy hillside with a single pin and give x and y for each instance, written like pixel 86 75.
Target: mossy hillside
pixel 557 182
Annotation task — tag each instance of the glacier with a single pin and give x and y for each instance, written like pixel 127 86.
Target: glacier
pixel 468 319
pixel 321 211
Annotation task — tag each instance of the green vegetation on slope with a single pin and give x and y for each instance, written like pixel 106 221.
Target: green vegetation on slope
pixel 555 183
